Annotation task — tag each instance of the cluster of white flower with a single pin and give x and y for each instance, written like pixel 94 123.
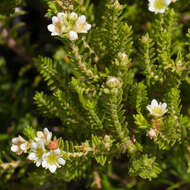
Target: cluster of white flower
pixel 70 24
pixel 19 145
pixel 159 6
pixel 42 150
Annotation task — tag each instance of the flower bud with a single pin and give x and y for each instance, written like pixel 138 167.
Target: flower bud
pixel 122 57
pixel 113 82
pixel 151 133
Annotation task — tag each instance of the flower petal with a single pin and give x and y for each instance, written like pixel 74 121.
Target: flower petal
pixel 51 27
pixel 56 151
pixel 154 103
pixel 81 19
pixel 32 156
pixel 15 140
pixel 61 15
pixel 44 164
pixel 23 146
pixel 164 105
pixel 61 161
pixel 73 35
pixel 38 163
pixel 14 148
pixel 52 168
pixel 55 19
pixel 73 16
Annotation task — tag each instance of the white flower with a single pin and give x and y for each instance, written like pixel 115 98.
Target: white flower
pixel 72 35
pixel 45 136
pixel 81 26
pixel 61 16
pixel 158 6
pixel 53 160
pixel 156 109
pixel 19 145
pixel 37 152
pixel 57 27
pixel 151 133
pixel 73 16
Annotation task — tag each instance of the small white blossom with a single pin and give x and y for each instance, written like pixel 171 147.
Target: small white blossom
pixel 156 109
pixel 73 16
pixel 57 27
pixel 19 145
pixel 45 136
pixel 113 82
pixel 158 6
pixel 151 133
pixel 81 26
pixel 37 152
pixel 53 160
pixel 72 35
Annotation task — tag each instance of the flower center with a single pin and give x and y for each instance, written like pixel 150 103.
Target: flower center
pixel 58 27
pixel 51 158
pixel 157 110
pixel 39 152
pixel 80 27
pixel 159 4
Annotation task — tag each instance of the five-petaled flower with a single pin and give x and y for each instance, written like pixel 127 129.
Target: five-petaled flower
pixel 158 6
pixel 53 160
pixel 37 152
pixel 19 145
pixel 57 27
pixel 157 109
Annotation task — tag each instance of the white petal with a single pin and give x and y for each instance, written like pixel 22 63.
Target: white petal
pixel 73 15
pixel 87 26
pixel 73 35
pixel 40 133
pixel 54 34
pixel 15 140
pixel 168 2
pixel 151 8
pixel 51 27
pixel 44 164
pixel 41 144
pixel 63 29
pixel 61 161
pixel 162 10
pixel 34 145
pixel 164 105
pixel 32 156
pixel 149 108
pixel 61 15
pixel 154 103
pixel 14 148
pixel 81 19
pixel 38 163
pixel 46 131
pixel 52 168
pixel 55 19
pixel 23 146
pixel 57 151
